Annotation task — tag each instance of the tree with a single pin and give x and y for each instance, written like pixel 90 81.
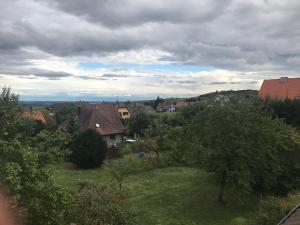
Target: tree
pixel 244 146
pixel 287 109
pixel 103 204
pixel 139 123
pixel 10 111
pixel 157 101
pixel 155 138
pixel 88 149
pixel 73 126
pixel 31 185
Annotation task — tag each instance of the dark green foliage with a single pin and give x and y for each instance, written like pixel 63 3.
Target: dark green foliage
pixel 64 113
pixel 73 126
pixel 28 128
pixel 52 146
pixel 88 149
pixel 156 138
pixel 138 124
pixel 289 110
pixel 245 147
pixel 10 111
pixel 274 209
pixel 31 185
pixel 104 204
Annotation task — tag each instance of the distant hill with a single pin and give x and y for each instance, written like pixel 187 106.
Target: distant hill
pixel 231 93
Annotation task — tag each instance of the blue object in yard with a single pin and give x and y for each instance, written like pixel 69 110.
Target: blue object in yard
pixel 141 154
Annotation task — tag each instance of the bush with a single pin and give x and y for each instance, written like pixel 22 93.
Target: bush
pixel 275 209
pixel 101 205
pixel 238 221
pixel 88 149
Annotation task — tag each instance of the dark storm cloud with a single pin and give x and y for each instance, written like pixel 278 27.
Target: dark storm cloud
pixel 236 35
pixel 118 13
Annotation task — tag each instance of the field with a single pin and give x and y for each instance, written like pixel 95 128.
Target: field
pixel 169 196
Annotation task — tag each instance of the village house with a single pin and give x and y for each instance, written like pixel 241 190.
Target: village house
pixel 283 88
pixel 123 111
pixel 165 107
pixel 104 119
pixel 35 115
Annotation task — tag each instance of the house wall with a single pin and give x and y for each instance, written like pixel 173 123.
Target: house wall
pixel 125 114
pixel 110 142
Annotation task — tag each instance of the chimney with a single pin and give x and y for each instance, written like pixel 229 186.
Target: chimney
pixel 284 80
pixel 78 110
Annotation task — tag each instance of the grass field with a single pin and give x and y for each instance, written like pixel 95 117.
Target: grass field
pixel 169 196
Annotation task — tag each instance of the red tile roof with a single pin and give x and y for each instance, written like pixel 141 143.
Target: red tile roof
pixel 36 115
pixel 283 88
pixel 103 118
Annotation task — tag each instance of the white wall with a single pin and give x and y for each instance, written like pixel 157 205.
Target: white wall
pixel 112 142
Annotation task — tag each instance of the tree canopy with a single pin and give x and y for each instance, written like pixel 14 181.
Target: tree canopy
pixel 244 146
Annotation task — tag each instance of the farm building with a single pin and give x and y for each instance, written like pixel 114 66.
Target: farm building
pixel 283 88
pixel 105 119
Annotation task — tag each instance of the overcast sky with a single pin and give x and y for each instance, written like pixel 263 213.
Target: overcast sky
pixel 90 49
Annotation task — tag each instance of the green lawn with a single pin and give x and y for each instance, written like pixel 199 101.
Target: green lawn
pixel 169 196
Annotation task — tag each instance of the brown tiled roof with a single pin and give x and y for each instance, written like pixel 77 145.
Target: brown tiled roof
pixel 138 108
pixel 293 218
pixel 181 104
pixel 36 115
pixel 283 88
pixel 106 116
pixel 163 106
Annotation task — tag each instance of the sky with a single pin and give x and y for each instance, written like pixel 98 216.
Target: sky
pixel 137 49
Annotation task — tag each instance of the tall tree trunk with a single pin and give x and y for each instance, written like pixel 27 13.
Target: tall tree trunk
pixel 222 187
pixel 157 156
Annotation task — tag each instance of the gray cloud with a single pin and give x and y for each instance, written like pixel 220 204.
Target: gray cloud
pixel 236 35
pixel 108 75
pixel 23 73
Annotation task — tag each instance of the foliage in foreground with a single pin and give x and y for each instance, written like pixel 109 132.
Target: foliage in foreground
pixel 103 205
pixel 25 155
pixel 274 209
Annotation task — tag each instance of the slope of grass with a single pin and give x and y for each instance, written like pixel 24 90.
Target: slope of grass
pixel 170 196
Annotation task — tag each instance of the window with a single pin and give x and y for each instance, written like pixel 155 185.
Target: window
pixel 111 137
pixel 125 113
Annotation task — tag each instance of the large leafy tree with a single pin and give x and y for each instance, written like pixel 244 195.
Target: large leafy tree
pixel 156 138
pixel 244 146
pixel 10 110
pixel 138 123
pixel 288 110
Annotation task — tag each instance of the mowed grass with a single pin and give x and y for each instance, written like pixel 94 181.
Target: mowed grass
pixel 169 196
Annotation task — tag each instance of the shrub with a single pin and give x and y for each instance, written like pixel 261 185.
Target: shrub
pixel 238 221
pixel 274 209
pixel 88 149
pixel 101 205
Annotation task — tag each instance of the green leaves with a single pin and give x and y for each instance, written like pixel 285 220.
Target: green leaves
pixel 88 149
pixel 241 140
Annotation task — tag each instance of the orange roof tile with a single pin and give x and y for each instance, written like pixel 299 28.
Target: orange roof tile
pixel 283 88
pixel 36 115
